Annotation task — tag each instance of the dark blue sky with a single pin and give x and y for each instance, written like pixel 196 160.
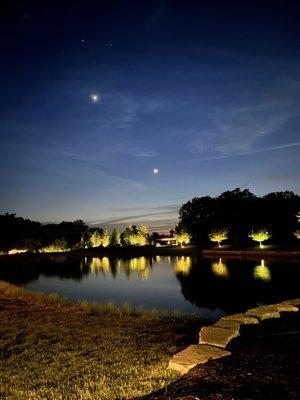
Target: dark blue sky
pixel 208 92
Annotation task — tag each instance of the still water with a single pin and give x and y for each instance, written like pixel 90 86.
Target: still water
pixel 207 287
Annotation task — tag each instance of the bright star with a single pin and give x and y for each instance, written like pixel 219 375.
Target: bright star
pixel 94 97
pixel 155 171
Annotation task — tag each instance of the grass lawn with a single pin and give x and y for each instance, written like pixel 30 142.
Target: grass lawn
pixel 52 350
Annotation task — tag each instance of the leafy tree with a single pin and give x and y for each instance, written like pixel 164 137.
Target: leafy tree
pixel 134 236
pixel 96 238
pixel 57 246
pixel 32 245
pixel 218 235
pixel 182 238
pixel 297 234
pixel 260 236
pixel 105 238
pixel 154 237
pixel 115 239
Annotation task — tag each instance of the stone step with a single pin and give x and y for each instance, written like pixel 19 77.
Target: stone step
pixel 193 355
pixel 217 336
pixel 286 307
pixel 264 312
pixel 242 318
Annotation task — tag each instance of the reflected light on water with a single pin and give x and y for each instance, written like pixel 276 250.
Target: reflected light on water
pixel 220 269
pixel 99 264
pixel 183 265
pixel 157 259
pixel 262 272
pixel 139 264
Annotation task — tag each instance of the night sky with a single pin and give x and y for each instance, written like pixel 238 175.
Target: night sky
pixel 95 95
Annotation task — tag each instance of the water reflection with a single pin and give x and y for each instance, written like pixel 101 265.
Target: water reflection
pixel 183 265
pixel 164 282
pixel 96 265
pixel 219 268
pixel 262 272
pixel 114 266
pixel 138 264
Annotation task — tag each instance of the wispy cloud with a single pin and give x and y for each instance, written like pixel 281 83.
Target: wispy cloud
pixel 245 153
pixel 127 149
pixel 237 130
pixel 247 128
pixel 157 218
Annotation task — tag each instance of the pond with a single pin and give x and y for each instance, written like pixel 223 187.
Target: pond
pixel 208 287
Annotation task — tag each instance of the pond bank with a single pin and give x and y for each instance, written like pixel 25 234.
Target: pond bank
pixel 53 349
pixel 152 251
pixel 254 254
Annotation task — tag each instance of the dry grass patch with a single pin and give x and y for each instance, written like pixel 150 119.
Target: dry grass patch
pixel 51 349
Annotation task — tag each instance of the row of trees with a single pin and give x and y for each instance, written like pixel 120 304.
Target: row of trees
pixel 243 214
pixel 132 236
pixel 260 236
pixel 238 213
pixel 17 232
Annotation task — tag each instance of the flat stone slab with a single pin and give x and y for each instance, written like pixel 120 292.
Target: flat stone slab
pixel 264 312
pixel 286 307
pixel 193 355
pixel 242 318
pixel 228 324
pixel 295 302
pixel 217 336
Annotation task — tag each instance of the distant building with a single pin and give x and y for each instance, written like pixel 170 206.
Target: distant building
pixel 165 240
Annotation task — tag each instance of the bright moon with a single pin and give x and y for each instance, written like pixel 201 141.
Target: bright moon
pixel 94 97
pixel 155 171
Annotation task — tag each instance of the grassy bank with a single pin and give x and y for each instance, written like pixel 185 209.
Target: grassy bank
pixel 50 349
pixel 274 252
pixel 287 254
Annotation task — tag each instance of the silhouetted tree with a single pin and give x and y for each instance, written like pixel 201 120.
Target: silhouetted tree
pixel 115 238
pixel 241 211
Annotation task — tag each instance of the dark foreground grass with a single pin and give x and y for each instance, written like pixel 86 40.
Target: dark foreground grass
pixel 50 349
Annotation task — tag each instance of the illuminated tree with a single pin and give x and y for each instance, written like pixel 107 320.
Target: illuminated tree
pixel 260 236
pixel 218 235
pixel 298 216
pixel 182 238
pixel 96 238
pixel 57 246
pixel 115 239
pixel 136 236
pixel 105 238
pixel 297 234
pixel 126 235
pixel 143 235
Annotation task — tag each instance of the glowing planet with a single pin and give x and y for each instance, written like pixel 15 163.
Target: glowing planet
pixel 94 97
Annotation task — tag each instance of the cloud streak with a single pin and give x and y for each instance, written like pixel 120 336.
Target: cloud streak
pixel 245 153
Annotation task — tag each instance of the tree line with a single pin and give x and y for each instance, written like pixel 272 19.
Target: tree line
pixel 17 232
pixel 238 216
pixel 241 216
